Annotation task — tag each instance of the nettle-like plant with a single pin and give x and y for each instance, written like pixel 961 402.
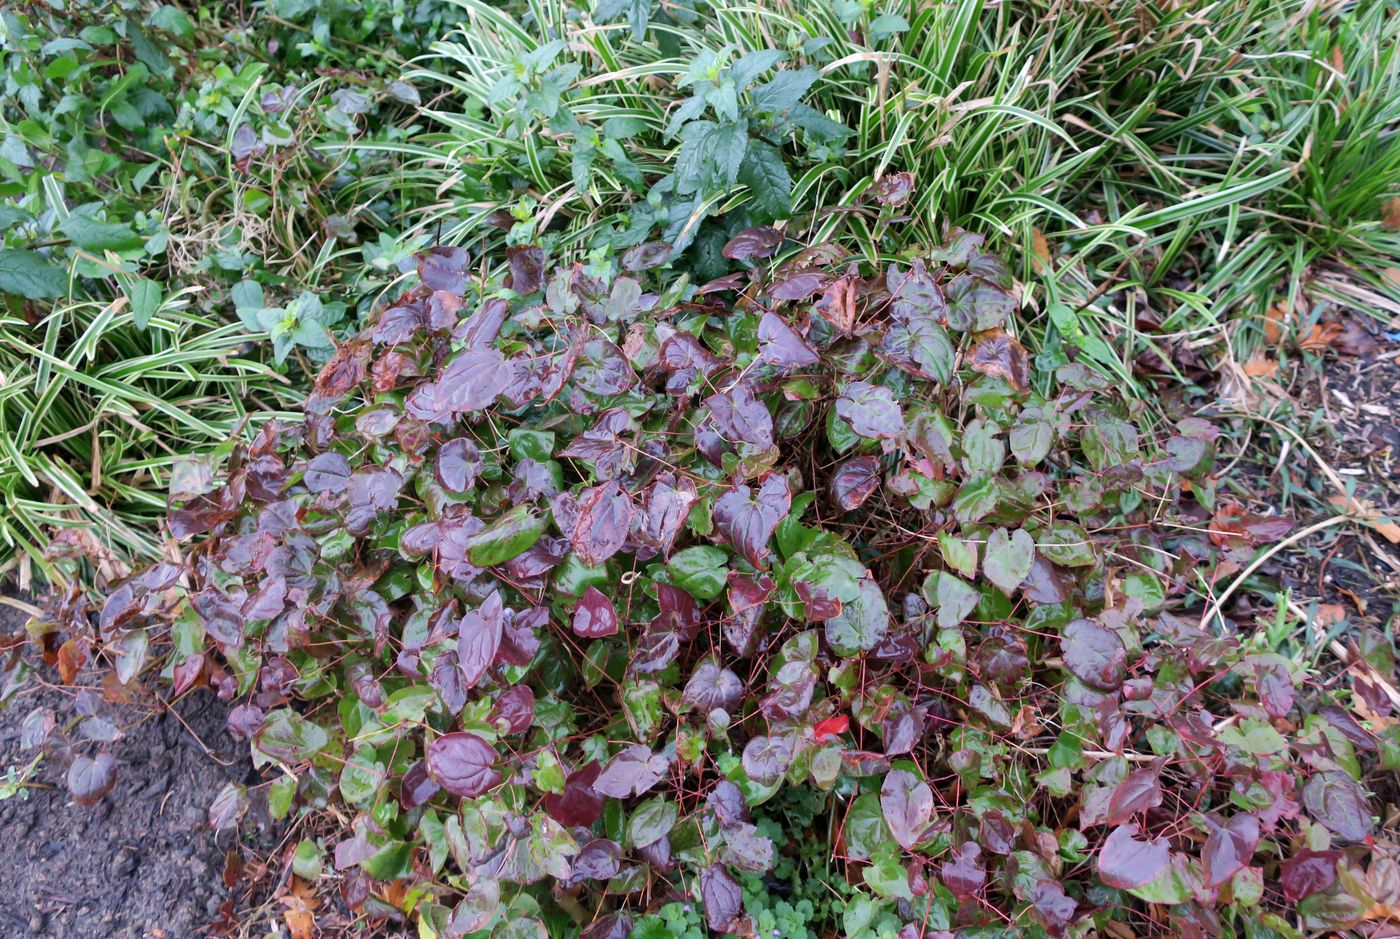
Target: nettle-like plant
pixel 564 576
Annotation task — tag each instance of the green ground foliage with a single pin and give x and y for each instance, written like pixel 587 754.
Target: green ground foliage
pixel 685 468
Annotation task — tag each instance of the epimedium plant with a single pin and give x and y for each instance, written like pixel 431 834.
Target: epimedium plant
pixel 569 572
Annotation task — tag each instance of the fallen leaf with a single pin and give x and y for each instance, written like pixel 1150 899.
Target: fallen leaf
pixel 1040 251
pixel 1329 613
pixel 1261 366
pixel 1367 515
pixel 301 923
pixel 1390 214
pixel 1274 323
pixel 1320 338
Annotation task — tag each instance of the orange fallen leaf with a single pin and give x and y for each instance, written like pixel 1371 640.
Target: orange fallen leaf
pixel 1261 366
pixel 1320 338
pixel 71 657
pixel 1040 251
pixel 1329 613
pixel 301 924
pixel 1366 513
pixel 1390 214
pixel 1274 322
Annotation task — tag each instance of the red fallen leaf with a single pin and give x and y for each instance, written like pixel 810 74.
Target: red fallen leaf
pixel 833 726
pixel 188 672
pixel 345 370
pixel 1232 525
pixel 71 657
pixel 1001 356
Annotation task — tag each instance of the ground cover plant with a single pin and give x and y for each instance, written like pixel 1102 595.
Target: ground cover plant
pixel 579 587
pixel 1156 173
pixel 154 161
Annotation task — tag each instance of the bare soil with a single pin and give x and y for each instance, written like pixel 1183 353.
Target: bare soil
pixel 143 863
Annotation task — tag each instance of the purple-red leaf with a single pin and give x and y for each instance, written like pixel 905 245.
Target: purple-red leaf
pixel 742 417
pixel 723 897
pixel 604 521
pixel 579 805
pixel 1094 654
pixel 479 639
pixel 712 686
pixel 964 875
pixel 594 617
pixel 1339 803
pixel 631 773
pixel 1308 872
pixel 1126 862
pixel 760 242
pixel 779 344
pixel 463 764
pixel 458 463
pixel 854 481
pixel 1139 791
pixel 871 410
pixel 91 778
pixel 748 523
pixel 1229 847
pixel 907 804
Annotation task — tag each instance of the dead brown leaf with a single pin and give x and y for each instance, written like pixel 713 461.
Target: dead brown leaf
pixel 1320 338
pixel 1369 516
pixel 1390 214
pixel 301 923
pixel 1275 322
pixel 1329 613
pixel 1261 366
pixel 1040 251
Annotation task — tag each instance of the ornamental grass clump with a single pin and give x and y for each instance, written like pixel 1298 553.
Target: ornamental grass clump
pixel 568 572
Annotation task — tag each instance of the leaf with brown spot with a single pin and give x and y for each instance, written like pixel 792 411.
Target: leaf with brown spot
pixel 998 354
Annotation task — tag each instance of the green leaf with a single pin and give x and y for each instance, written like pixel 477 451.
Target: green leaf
pixel 280 795
pixel 959 554
pixel 862 622
pixel 509 536
pixel 390 862
pixel 289 737
pixel 92 235
pixel 145 297
pixel 1066 544
pixel 1008 558
pixel 147 52
pixel 784 92
pixel 765 174
pixel 954 598
pixel 173 21
pixel 361 777
pixel 700 570
pixel 306 863
pixel 30 275
pixel 1031 441
pixel 975 499
pixel 1254 737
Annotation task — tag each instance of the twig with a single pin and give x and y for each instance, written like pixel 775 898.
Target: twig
pixel 1218 602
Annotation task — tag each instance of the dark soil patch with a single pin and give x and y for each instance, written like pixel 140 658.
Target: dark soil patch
pixel 141 864
pixel 1347 410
